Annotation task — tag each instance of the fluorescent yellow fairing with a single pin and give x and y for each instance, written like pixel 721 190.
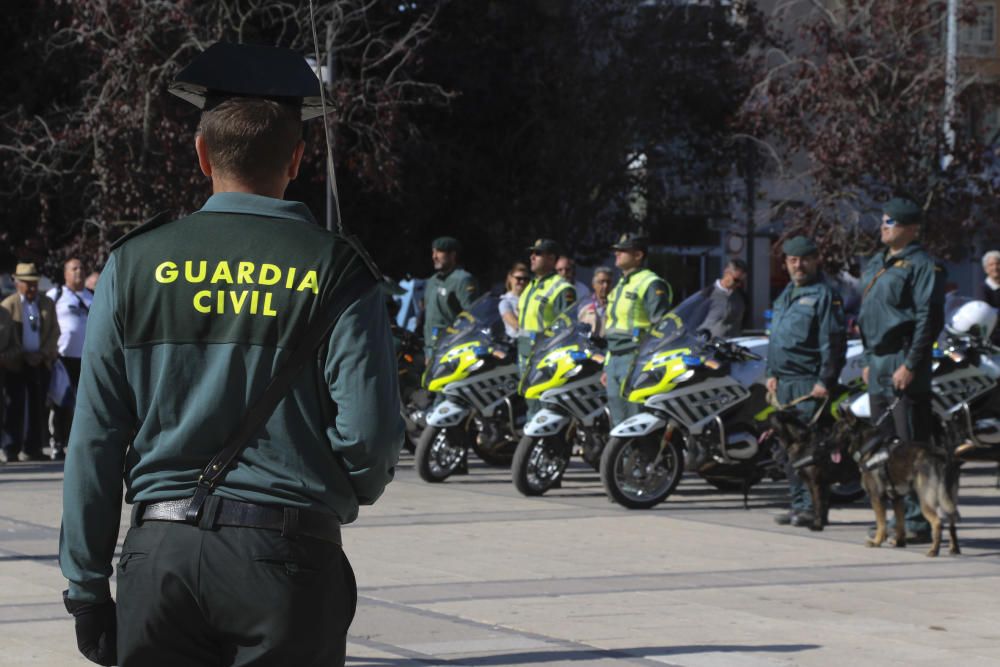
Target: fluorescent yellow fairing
pixel 672 363
pixel 561 361
pixel 466 356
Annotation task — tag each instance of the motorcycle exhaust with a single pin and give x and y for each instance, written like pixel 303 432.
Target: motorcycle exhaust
pixel 987 431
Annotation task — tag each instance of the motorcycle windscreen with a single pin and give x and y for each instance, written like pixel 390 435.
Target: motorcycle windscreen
pixel 677 330
pixel 480 323
pixel 567 331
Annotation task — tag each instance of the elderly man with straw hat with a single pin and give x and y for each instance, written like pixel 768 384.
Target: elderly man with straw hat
pixel 36 334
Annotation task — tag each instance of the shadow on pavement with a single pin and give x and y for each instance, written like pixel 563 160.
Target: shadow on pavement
pixel 572 655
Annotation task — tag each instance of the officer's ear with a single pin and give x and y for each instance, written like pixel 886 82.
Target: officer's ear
pixel 202 150
pixel 293 166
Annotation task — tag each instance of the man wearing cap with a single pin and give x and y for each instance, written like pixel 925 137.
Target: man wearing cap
pixel 191 322
pixel 547 295
pixel 638 300
pixel 447 293
pixel 36 331
pixel 806 352
pixel 902 312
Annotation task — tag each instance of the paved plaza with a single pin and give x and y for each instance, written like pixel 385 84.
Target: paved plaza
pixel 470 573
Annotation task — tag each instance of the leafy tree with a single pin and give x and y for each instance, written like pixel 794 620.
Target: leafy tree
pixel 852 112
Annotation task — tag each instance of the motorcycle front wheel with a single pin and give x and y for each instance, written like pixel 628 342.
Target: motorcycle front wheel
pixel 440 452
pixel 539 463
pixel 634 473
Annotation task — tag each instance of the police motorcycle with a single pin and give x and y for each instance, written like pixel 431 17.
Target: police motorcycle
pixel 965 397
pixel 564 374
pixel 704 408
pixel 475 370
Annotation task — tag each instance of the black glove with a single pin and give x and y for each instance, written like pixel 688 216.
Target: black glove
pixel 96 629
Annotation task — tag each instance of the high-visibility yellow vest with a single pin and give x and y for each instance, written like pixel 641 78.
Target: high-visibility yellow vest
pixel 536 307
pixel 627 305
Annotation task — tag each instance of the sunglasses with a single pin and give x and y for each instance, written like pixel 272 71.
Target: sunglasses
pixel 889 222
pixel 522 279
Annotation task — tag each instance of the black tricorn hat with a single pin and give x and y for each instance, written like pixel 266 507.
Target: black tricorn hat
pixel 225 70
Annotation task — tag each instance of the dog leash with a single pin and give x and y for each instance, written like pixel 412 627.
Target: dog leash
pixel 772 398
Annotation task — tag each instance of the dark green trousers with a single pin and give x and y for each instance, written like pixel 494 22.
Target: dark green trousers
pixel 231 596
pixel 789 389
pixel 911 420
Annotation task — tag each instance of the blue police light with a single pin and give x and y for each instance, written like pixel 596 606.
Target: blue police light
pixel 481 351
pixel 691 361
pixel 577 355
pixel 937 353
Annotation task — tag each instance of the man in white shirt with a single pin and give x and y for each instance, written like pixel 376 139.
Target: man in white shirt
pixel 72 301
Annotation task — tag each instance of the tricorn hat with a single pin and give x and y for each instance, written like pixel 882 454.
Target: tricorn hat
pixel 225 70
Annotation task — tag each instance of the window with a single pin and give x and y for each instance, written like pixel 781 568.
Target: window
pixel 979 38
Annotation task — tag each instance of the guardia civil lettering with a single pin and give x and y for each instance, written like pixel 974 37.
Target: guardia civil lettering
pixel 250 300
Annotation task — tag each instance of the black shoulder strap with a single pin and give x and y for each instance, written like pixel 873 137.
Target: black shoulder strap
pixel 276 390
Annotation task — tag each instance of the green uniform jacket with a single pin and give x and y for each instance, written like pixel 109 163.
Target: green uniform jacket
pixel 808 334
pixel 190 321
pixel 902 312
pixel 656 303
pixel 445 296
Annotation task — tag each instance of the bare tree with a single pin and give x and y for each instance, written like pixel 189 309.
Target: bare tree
pixel 852 112
pixel 110 148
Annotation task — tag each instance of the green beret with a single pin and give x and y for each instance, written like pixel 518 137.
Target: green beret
pixel 545 247
pixel 902 210
pixel 799 246
pixel 447 244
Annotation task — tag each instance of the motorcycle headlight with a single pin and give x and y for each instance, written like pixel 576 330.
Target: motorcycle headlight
pixel 445 368
pixel 649 378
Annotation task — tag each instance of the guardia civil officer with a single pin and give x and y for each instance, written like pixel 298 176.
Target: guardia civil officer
pixel 638 300
pixel 448 292
pixel 191 320
pixel 902 312
pixel 547 295
pixel 806 351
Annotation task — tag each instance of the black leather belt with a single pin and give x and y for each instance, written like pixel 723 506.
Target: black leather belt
pixel 289 521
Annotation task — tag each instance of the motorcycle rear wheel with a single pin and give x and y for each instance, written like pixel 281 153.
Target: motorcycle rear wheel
pixel 627 475
pixel 539 463
pixel 440 452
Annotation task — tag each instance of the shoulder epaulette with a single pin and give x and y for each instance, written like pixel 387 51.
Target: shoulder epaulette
pixel 157 220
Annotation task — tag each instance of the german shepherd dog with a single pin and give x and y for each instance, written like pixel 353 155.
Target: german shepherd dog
pixel 911 466
pixel 822 460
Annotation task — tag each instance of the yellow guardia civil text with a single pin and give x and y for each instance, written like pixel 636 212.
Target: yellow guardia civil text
pixel 256 299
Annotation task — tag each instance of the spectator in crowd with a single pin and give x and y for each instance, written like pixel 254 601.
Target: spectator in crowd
pixel 9 353
pixel 725 313
pixel 991 267
pixel 91 282
pixel 37 333
pixel 72 301
pixel 566 267
pixel 517 279
pixel 594 308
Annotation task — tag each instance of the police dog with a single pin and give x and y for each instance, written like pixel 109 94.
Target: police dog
pixel 820 460
pixel 915 466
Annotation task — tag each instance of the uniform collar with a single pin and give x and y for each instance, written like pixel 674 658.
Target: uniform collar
pixel 911 248
pixel 542 279
pixel 444 274
pixel 242 202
